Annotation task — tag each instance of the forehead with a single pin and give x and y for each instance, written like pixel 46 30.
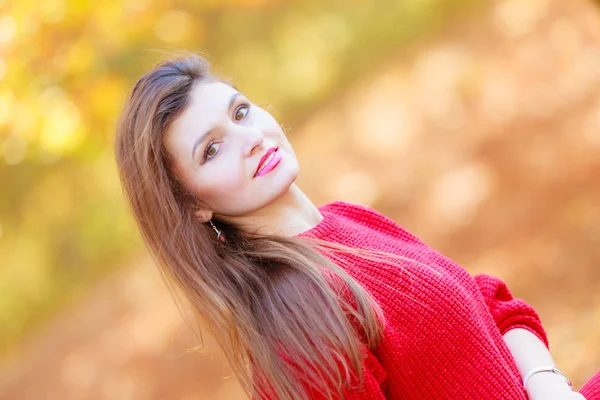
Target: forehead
pixel 207 103
pixel 210 93
pixel 206 99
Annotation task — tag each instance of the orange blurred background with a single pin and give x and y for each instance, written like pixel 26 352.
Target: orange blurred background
pixel 474 124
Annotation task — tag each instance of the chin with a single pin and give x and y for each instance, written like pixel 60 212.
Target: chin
pixel 291 173
pixel 283 185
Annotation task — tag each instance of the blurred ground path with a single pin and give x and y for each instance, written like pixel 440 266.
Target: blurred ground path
pixel 484 141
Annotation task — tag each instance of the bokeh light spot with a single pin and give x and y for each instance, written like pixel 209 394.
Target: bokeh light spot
pixel 14 149
pixel 308 48
pixel 80 57
pixel 381 123
pixel 565 37
pixel 358 187
pixel 519 17
pixel 60 133
pixel 52 11
pixel 54 196
pixel 173 27
pixel 2 68
pixel 5 106
pixel 8 28
pixel 458 192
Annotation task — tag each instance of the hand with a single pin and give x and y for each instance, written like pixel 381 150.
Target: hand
pixel 550 386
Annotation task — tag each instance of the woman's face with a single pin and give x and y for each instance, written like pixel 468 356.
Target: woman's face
pixel 218 144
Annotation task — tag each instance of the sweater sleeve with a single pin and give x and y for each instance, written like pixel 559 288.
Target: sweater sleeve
pixel 374 383
pixel 509 312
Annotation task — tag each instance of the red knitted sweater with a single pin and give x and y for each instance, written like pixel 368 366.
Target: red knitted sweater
pixel 443 335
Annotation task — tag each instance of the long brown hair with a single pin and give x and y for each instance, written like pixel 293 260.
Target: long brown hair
pixel 286 316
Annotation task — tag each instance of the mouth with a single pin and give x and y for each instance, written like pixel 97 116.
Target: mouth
pixel 267 162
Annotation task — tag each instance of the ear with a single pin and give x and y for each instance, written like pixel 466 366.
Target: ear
pixel 203 214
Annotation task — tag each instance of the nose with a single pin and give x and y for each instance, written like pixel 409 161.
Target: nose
pixel 253 141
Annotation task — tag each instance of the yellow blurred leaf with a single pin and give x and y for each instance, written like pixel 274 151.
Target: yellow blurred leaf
pixel 60 132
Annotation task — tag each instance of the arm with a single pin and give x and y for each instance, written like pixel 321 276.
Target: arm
pixel 509 312
pixel 526 339
pixel 530 352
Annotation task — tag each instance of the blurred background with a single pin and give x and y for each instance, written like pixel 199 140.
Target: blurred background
pixel 475 124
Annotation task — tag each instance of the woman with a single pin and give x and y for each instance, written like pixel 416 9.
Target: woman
pixel 310 303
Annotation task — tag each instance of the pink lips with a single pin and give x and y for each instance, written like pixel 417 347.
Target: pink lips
pixel 271 165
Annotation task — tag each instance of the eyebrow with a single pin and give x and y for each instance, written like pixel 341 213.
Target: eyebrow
pixel 203 137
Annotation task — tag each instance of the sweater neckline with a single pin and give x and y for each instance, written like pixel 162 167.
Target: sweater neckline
pixel 325 227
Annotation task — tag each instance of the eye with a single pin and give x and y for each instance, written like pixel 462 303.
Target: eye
pixel 211 150
pixel 241 112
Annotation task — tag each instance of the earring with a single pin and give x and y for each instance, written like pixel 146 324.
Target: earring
pixel 220 235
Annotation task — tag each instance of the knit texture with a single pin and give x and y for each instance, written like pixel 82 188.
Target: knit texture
pixel 591 390
pixel 443 334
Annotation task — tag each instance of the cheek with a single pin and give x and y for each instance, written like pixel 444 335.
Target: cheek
pixel 221 187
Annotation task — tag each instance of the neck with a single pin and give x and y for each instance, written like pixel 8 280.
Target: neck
pixel 288 215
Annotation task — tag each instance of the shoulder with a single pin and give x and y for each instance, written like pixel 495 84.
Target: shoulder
pixel 350 211
pixel 371 219
pixel 347 208
pixel 363 215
